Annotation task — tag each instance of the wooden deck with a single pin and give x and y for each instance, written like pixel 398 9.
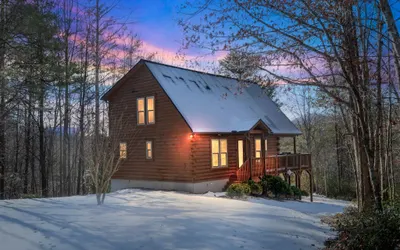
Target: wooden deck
pixel 273 165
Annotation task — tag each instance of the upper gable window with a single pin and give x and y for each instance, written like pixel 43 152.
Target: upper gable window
pixel 145 110
pixel 140 111
pixel 150 110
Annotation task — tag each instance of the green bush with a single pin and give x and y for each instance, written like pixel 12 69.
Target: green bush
pixel 266 183
pixel 304 193
pixel 296 191
pixel 276 185
pixel 249 182
pixel 238 190
pixel 256 188
pixel 367 230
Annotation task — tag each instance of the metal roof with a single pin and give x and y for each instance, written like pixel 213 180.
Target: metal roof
pixel 212 103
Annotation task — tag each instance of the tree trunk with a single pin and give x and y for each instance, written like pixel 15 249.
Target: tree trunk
pixel 42 149
pixel 2 104
pixel 97 73
pixel 27 141
pixel 393 32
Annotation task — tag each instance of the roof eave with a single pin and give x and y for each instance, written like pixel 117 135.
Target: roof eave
pixel 120 82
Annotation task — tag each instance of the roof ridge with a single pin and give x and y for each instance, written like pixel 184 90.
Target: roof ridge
pixel 196 71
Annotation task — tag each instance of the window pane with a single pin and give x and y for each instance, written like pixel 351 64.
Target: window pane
pixel 141 118
pixel 240 153
pixel 150 103
pixel 149 150
pixel 215 145
pixel 224 145
pixel 150 117
pixel 266 147
pixel 223 159
pixel 258 144
pixel 258 154
pixel 140 104
pixel 122 150
pixel 215 160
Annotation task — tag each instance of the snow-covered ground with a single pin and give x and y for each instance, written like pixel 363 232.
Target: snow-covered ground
pixel 139 219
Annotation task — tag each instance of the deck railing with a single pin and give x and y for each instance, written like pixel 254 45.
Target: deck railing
pixel 274 165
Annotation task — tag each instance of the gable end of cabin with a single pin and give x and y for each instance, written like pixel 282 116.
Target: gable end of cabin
pixel 154 137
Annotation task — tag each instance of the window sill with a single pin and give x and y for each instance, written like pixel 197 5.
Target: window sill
pixel 219 167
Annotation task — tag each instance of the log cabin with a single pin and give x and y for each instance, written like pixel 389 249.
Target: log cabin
pixel 197 132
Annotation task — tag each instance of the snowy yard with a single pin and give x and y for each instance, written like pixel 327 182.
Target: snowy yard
pixel 138 219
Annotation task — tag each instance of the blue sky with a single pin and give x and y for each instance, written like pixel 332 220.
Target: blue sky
pixel 155 21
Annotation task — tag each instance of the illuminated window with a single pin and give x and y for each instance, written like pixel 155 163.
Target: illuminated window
pixel 257 147
pixel 149 150
pixel 122 150
pixel 266 147
pixel 240 153
pixel 219 149
pixel 140 111
pixel 145 110
pixel 150 110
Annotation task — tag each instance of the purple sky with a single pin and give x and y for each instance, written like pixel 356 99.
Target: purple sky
pixel 155 21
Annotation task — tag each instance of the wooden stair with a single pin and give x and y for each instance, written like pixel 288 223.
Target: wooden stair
pixel 232 179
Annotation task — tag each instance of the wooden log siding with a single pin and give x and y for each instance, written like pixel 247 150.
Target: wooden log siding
pixel 203 170
pixel 170 133
pixel 273 144
pixel 176 157
pixel 202 156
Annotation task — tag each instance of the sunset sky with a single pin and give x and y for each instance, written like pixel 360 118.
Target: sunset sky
pixel 155 22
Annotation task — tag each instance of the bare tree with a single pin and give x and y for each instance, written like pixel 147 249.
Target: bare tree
pixel 312 43
pixel 393 32
pixel 108 153
pixel 245 66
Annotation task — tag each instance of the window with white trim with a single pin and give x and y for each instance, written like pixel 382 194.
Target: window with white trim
pixel 150 110
pixel 149 150
pixel 257 147
pixel 240 153
pixel 219 153
pixel 266 147
pixel 140 111
pixel 122 150
pixel 146 110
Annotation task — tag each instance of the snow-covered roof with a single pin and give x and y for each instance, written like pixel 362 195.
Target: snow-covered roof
pixel 211 103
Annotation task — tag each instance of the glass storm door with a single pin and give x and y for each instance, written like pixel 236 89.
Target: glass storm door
pixel 240 153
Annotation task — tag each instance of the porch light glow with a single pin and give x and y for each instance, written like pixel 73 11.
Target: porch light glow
pixel 191 136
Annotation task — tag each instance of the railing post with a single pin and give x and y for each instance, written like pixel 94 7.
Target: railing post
pixel 287 162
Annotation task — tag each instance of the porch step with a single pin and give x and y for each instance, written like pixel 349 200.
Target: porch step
pixel 232 180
